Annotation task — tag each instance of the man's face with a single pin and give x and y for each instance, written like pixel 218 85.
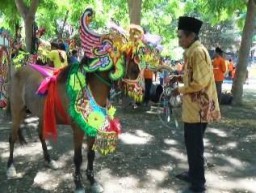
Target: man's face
pixel 184 41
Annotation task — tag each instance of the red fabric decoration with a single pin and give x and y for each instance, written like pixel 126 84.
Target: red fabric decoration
pixel 2 104
pixel 114 125
pixel 51 106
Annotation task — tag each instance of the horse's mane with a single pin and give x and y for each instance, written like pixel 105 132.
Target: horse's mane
pixel 63 76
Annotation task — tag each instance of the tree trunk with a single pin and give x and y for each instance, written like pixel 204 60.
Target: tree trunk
pixel 28 15
pixel 237 87
pixel 134 7
pixel 28 33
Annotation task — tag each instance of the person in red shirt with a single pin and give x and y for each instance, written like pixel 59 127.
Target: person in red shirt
pixel 219 69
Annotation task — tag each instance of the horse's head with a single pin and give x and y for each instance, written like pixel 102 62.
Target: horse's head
pixel 124 56
pixel 140 54
pixel 103 51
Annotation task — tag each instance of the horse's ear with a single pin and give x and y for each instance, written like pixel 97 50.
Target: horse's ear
pixel 84 61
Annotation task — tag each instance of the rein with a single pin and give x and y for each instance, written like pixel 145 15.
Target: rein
pixel 109 84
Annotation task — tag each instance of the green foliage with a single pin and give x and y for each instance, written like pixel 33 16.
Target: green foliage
pixel 216 11
pixel 10 15
pixel 223 21
pixel 158 16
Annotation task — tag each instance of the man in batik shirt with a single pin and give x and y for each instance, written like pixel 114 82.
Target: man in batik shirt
pixel 200 103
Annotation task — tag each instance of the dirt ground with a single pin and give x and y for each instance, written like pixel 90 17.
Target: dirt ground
pixel 148 157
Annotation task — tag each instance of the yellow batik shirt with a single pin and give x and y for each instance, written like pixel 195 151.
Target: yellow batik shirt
pixel 200 102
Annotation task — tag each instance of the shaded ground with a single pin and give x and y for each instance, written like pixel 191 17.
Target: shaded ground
pixel 148 157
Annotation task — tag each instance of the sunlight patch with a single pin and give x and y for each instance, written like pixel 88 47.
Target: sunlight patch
pixel 207 142
pixel 157 175
pixel 4 145
pixel 231 145
pixel 170 142
pixel 175 153
pixel 46 181
pixel 140 137
pixel 122 183
pixel 30 149
pixel 50 181
pixel 227 185
pixel 218 132
pixel 234 162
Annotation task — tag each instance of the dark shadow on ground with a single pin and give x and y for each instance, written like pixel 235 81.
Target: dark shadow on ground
pixel 148 157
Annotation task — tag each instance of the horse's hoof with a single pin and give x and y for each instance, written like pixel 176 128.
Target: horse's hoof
pixel 97 188
pixel 53 165
pixel 80 191
pixel 11 172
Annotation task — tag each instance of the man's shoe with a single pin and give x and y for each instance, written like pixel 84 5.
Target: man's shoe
pixel 200 189
pixel 188 190
pixel 184 177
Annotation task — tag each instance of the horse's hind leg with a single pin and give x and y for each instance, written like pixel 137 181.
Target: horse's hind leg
pixel 51 163
pixel 96 187
pixel 18 115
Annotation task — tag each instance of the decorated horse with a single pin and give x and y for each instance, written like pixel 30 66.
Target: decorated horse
pixel 76 95
pixel 142 51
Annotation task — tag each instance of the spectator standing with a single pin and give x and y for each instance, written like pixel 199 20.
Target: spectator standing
pixel 163 73
pixel 219 69
pixel 148 77
pixel 179 68
pixel 230 68
pixel 57 57
pixel 74 57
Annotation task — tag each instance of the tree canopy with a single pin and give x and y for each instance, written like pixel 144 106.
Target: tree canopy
pixel 224 21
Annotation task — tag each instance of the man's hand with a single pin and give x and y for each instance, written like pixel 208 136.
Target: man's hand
pixel 175 92
pixel 174 78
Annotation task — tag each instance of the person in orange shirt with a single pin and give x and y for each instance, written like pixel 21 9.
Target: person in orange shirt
pixel 179 68
pixel 233 72
pixel 230 68
pixel 148 76
pixel 219 69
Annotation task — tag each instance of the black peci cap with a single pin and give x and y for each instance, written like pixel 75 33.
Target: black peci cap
pixel 218 50
pixel 189 24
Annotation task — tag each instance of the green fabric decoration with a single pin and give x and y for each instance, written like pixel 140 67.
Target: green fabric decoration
pixel 119 70
pixel 99 64
pixel 75 84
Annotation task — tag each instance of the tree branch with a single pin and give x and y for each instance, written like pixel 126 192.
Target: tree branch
pixel 33 7
pixel 21 8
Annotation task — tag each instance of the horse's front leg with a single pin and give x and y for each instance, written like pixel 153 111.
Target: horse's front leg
pixel 96 187
pixel 78 135
pixel 51 163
